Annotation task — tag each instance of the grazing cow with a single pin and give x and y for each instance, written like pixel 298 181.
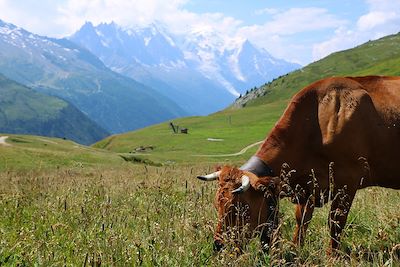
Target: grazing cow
pixel 345 131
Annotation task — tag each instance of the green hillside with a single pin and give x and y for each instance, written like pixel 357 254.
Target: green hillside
pixel 240 127
pixel 380 57
pixel 30 152
pixel 236 129
pixel 25 111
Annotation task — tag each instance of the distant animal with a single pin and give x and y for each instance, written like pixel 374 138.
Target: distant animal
pixel 345 131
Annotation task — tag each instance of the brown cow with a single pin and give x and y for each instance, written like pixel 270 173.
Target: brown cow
pixel 350 125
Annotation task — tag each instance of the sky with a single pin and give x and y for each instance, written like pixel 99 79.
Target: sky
pixel 300 31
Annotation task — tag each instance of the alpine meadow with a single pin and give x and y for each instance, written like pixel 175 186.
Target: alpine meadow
pixel 103 133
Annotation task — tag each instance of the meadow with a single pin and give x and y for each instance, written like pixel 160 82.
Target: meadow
pixel 138 215
pixel 63 204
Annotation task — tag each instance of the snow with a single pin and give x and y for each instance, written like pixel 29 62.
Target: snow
pixel 104 43
pixel 169 40
pixel 214 55
pixel 235 67
pixel 147 41
pixel 99 33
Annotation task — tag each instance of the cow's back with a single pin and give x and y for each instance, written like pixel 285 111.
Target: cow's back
pixel 385 94
pixel 359 117
pixel 353 122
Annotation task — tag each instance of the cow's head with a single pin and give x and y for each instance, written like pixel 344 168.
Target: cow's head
pixel 245 203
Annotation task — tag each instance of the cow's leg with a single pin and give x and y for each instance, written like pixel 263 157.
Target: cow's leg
pixel 272 222
pixel 338 215
pixel 303 217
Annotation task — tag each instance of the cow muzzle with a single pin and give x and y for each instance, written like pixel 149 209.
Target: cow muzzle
pixel 218 245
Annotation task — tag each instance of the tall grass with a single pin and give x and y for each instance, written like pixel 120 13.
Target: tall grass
pixel 162 216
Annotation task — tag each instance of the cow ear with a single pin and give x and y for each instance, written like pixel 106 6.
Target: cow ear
pixel 218 167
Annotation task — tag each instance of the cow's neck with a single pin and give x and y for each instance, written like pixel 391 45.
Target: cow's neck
pixel 272 153
pixel 286 141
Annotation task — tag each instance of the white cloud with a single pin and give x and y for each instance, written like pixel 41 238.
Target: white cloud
pixel 126 13
pixel 31 15
pixel 278 36
pixel 382 14
pixel 343 39
pixel 63 17
pixel 297 20
pixel 293 34
pixel 376 18
pixel 382 18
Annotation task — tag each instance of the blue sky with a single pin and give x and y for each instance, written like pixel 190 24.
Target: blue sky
pixel 251 11
pixel 297 30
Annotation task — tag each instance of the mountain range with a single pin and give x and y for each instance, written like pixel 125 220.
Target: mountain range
pixel 123 79
pixel 199 71
pixel 61 68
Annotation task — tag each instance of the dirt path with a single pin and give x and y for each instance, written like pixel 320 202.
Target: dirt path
pixel 233 154
pixel 3 141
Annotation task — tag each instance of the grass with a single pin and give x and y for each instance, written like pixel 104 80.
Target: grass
pixel 66 204
pixel 162 216
pixel 237 129
pixel 29 152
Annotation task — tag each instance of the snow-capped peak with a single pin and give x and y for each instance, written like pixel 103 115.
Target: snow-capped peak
pixel 235 63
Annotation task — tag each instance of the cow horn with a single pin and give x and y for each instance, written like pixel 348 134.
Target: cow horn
pixel 210 177
pixel 245 185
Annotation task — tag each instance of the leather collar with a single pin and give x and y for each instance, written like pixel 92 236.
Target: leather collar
pixel 258 167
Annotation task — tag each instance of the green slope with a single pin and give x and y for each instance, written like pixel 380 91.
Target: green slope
pixel 30 152
pixel 240 127
pixel 237 129
pixel 380 57
pixel 25 111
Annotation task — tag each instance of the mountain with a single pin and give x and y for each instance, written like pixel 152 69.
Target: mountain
pixel 248 66
pixel 249 122
pixel 192 69
pixel 378 57
pixel 236 63
pixel 25 111
pixel 61 68
pixel 152 57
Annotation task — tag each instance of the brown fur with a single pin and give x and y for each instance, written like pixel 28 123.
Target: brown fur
pixel 353 122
